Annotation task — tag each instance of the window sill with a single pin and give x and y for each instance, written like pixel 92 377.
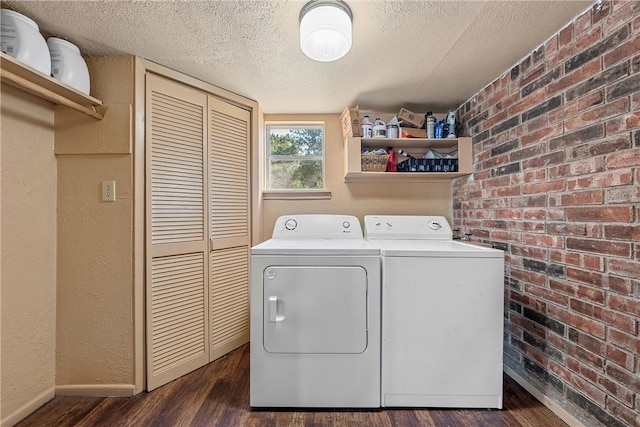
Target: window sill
pixel 296 195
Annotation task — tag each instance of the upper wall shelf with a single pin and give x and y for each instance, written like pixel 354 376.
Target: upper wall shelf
pixel 23 77
pixel 415 146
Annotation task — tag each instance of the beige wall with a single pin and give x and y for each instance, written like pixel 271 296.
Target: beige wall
pixel 359 199
pixel 95 338
pixel 28 253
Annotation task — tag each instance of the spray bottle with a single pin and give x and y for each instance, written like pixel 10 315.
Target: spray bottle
pixel 451 120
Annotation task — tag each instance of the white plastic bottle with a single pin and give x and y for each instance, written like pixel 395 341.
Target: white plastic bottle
pixel 367 127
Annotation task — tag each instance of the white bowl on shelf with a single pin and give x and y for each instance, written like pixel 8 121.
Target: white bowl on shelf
pixel 20 38
pixel 67 65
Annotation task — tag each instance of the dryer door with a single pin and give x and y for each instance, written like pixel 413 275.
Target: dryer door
pixel 315 309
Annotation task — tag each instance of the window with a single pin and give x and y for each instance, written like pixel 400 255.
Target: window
pixel 295 157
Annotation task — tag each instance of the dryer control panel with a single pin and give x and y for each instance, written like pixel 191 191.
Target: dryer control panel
pixel 317 227
pixel 407 227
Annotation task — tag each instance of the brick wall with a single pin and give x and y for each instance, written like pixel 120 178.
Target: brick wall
pixel 556 184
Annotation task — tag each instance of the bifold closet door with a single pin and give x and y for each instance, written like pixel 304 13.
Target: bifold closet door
pixel 177 273
pixel 230 226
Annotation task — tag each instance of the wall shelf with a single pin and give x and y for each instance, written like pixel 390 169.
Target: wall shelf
pixel 414 146
pixel 21 76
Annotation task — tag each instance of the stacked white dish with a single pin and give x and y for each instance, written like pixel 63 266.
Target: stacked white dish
pixel 67 65
pixel 21 39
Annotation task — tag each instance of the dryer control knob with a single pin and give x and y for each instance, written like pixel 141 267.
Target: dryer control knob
pixel 346 224
pixel 435 225
pixel 290 224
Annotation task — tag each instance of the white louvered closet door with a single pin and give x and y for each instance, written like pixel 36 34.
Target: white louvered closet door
pixel 177 274
pixel 230 226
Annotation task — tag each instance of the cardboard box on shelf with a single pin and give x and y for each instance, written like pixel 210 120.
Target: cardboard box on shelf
pixel 412 133
pixel 410 119
pixel 350 121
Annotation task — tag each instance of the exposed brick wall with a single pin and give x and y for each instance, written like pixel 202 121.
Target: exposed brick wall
pixel 556 184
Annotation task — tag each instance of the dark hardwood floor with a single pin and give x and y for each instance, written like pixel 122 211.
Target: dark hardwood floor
pixel 218 395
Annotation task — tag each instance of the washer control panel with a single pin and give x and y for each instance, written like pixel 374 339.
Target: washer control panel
pixel 407 227
pixel 317 227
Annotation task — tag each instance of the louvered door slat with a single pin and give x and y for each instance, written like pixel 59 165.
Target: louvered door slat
pixel 177 231
pixel 229 296
pixel 229 226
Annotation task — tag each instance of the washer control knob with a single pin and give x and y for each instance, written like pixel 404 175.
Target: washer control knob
pixel 290 224
pixel 435 225
pixel 346 224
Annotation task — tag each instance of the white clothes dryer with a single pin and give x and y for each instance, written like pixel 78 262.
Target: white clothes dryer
pixel 315 315
pixel 442 315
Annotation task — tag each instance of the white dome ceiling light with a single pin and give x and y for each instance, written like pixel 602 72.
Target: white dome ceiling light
pixel 325 29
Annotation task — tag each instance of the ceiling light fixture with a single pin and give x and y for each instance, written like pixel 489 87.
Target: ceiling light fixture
pixel 325 29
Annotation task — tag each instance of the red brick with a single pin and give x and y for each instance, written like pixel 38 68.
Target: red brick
pixel 592 278
pixel 579 167
pixel 551 46
pixel 544 187
pixel 575 107
pixel 623 232
pixel 625 304
pixel 507 214
pixel 582 323
pixel 606 247
pixel 618 391
pixel 604 213
pixel 590 197
pixel 544 160
pixel 592 392
pixel 624 11
pixel 597 114
pixel 630 416
pixel 623 377
pixel 597 148
pixel 506 191
pixel 529 276
pixel 622 51
pixel 543 240
pixel 560 371
pixel 534 175
pixel 582 73
pixel 533 99
pixel 590 262
pixel 600 180
pixel 587 358
pixel 542 134
pixel 626 342
pixel 600 10
pixel 529 252
pixel 624 123
pixel 583 22
pixel 623 159
pixel 546 294
pixel 565 35
pixel 544 214
pixel 629 268
pixel 530 226
pixel 620 357
pixel 573 229
pixel 490 122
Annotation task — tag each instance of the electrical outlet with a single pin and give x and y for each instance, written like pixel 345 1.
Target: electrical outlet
pixel 108 191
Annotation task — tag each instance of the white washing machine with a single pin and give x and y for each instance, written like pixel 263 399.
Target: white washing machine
pixel 315 315
pixel 442 315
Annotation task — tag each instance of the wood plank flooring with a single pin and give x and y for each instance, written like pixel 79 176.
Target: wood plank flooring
pixel 218 395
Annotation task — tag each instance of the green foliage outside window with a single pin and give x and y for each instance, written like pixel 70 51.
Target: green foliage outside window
pixel 295 157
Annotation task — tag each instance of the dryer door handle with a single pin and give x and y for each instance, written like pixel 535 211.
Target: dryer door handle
pixel 276 309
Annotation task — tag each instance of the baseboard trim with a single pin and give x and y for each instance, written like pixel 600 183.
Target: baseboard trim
pixel 101 390
pixel 26 409
pixel 554 407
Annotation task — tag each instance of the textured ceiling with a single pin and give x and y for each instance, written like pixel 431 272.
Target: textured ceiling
pixel 415 54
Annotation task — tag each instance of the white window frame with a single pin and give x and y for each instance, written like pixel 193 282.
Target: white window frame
pixel 294 193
